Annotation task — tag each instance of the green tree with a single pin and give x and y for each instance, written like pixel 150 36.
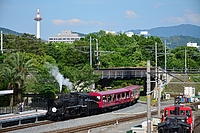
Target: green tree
pixel 26 43
pixel 10 77
pixel 24 69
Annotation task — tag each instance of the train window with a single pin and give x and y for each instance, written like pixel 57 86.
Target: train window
pixel 118 96
pixel 109 98
pixel 123 95
pixel 133 93
pixel 114 98
pixel 86 99
pixel 188 113
pixel 182 112
pixel 104 99
pixel 171 111
pixel 97 98
pixel 127 94
pixel 166 112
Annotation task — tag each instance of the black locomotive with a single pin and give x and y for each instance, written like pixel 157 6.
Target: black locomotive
pixel 174 124
pixel 69 105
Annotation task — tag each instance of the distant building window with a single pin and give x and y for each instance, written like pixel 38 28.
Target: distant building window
pixel 65 36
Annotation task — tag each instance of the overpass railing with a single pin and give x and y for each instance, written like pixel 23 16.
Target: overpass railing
pixel 121 74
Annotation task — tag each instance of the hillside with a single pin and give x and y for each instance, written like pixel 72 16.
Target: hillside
pixel 177 87
pixel 184 30
pixel 175 41
pixel 8 31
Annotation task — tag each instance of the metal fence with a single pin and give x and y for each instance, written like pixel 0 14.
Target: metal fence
pixel 37 103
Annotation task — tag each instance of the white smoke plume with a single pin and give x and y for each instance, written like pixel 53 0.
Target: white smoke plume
pixel 54 71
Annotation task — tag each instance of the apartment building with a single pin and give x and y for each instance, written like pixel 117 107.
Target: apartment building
pixel 66 36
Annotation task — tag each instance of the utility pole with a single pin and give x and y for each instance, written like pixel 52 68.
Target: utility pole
pixel 156 84
pixel 148 98
pixel 2 42
pixel 185 61
pixel 97 49
pixel 165 56
pixel 90 51
pixel 156 72
pixel 97 54
pixel 185 66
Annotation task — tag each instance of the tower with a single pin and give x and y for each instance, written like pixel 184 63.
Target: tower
pixel 38 19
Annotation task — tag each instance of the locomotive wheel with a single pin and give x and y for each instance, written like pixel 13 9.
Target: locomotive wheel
pixel 53 118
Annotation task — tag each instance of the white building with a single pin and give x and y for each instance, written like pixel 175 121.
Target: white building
pixel 190 44
pixel 145 33
pixel 129 34
pixel 65 36
pixel 111 32
pixel 189 91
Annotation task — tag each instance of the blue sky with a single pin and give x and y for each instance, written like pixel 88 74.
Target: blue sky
pixel 86 16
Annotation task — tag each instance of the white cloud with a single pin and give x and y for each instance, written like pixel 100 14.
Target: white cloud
pixel 194 18
pixel 69 22
pixel 130 14
pixel 157 5
pixel 174 20
pixel 188 11
pixel 187 18
pixel 76 22
pixel 59 22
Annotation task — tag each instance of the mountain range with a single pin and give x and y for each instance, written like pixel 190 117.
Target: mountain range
pixel 183 29
pixel 178 35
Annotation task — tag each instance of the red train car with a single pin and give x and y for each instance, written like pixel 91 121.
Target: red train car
pixel 116 98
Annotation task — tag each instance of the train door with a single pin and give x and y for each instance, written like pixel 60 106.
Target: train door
pixel 133 95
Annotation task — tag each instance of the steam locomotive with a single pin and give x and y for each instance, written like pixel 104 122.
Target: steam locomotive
pixel 76 104
pixel 177 119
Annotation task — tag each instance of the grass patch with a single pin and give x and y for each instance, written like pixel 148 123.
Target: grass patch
pixel 143 98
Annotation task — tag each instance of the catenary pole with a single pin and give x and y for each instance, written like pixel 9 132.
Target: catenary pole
pixel 156 85
pixel 90 51
pixel 2 42
pixel 148 98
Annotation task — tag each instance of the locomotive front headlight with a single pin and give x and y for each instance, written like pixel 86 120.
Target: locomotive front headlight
pixel 54 109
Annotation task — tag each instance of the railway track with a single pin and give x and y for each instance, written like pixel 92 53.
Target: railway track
pixel 93 125
pixel 13 128
pixel 116 121
pixel 197 124
pixel 100 124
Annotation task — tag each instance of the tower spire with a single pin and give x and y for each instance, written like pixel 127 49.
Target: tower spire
pixel 38 19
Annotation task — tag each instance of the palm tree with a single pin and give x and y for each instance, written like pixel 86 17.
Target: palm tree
pixel 24 69
pixel 9 77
